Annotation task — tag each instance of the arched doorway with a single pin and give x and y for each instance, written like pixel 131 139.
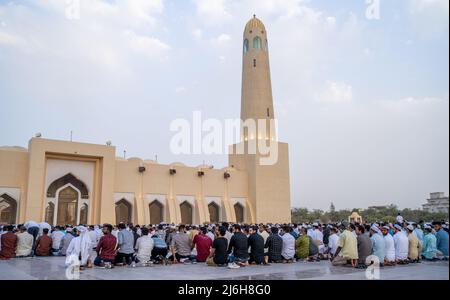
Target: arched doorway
pixel 214 212
pixel 156 212
pixel 84 214
pixel 239 211
pixel 67 206
pixel 50 213
pixel 65 180
pixel 8 209
pixel 123 212
pixel 186 213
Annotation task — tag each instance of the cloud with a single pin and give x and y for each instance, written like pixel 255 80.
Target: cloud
pixel 336 92
pixel 221 40
pixel 180 90
pixel 197 34
pixel 430 18
pixel 212 11
pixel 148 46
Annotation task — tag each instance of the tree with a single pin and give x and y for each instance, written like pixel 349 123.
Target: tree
pixel 332 215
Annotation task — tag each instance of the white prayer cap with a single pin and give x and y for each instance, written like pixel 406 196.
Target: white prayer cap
pixel 81 229
pixel 427 226
pixel 386 227
pixel 69 229
pixel 375 228
pixel 398 227
pixel 315 224
pixel 410 227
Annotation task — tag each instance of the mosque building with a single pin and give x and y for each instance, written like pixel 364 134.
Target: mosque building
pixel 62 182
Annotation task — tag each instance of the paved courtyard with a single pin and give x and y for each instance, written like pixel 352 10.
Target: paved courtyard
pixel 53 269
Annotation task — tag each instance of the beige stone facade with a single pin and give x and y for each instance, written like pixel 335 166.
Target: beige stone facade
pixel 69 182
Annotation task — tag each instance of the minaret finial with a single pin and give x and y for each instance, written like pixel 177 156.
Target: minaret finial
pixel 254 16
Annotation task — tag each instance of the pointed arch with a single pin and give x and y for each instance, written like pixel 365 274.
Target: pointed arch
pixel 257 43
pixel 50 213
pixel 239 211
pixel 214 212
pixel 67 206
pixel 245 46
pixel 84 212
pixel 8 209
pixel 187 213
pixel 123 211
pixel 66 179
pixel 156 212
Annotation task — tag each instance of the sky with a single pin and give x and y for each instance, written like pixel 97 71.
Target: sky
pixel 362 99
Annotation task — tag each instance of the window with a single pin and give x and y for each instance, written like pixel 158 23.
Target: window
pixel 268 112
pixel 257 43
pixel 84 214
pixel 254 63
pixel 245 46
pixel 156 212
pixel 50 213
pixel 267 45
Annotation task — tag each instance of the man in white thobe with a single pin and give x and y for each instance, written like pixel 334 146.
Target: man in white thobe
pixel 390 246
pixel 401 245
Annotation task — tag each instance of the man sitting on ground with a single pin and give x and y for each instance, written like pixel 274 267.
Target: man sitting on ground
pixel 274 244
pixel 288 252
pixel 256 244
pixel 126 242
pixel 414 246
pixel 441 240
pixel 239 248
pixel 401 245
pixel 219 248
pixel 24 243
pixel 364 247
pixel 44 244
pixel 429 248
pixel 347 250
pixel 159 251
pixel 302 245
pixel 144 247
pixel 203 244
pixel 181 246
pixel 106 248
pixel 57 236
pixel 8 242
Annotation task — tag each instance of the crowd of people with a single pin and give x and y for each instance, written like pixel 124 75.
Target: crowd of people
pixel 230 245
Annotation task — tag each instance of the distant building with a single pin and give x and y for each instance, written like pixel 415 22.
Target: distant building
pixel 355 218
pixel 438 203
pixel 378 207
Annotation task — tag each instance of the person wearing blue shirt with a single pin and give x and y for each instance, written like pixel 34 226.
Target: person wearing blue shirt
pixel 441 239
pixel 429 249
pixel 418 232
pixel 378 244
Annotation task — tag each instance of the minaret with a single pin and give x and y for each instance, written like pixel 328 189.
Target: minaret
pixel 257 102
pixel 268 193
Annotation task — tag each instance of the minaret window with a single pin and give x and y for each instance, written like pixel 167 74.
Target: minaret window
pixel 257 43
pixel 254 63
pixel 245 46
